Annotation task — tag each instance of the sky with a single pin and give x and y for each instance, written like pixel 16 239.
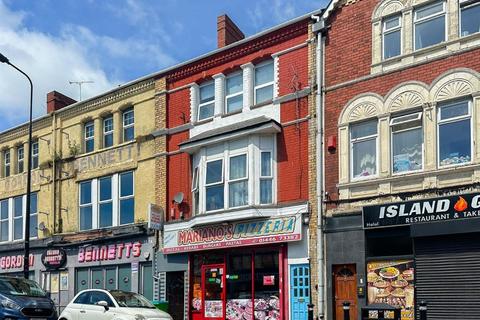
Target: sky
pixel 112 42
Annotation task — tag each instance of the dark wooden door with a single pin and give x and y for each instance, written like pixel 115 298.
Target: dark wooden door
pixel 345 289
pixel 176 293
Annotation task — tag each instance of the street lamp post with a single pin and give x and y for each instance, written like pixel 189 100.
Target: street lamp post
pixel 26 260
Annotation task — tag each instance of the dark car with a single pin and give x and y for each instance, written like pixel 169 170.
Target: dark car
pixel 22 299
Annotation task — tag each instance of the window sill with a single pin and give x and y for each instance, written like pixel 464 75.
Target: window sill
pixel 232 113
pixel 428 54
pixel 203 121
pixel 262 104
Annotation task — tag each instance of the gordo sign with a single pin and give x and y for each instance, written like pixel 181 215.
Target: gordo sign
pixel 236 234
pixel 421 211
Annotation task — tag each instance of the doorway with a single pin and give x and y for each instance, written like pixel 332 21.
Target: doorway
pixel 345 289
pixel 175 290
pixel 299 291
pixel 213 288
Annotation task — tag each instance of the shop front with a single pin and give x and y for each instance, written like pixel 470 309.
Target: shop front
pixel 240 270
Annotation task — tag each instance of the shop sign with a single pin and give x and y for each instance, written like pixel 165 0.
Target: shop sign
pixel 14 262
pixel 422 211
pixel 109 252
pixel 54 258
pixel 236 234
pixel 103 159
pixel 392 282
pixel 155 217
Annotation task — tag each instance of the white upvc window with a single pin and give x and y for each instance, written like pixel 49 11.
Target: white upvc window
pixel 206 106
pixel 108 132
pixel 469 17
pixel 430 25
pixel 89 131
pixel 20 159
pixel 12 218
pixel 264 82
pixel 6 166
pixel 35 159
pixel 454 138
pixel 407 142
pixel 4 220
pixel 363 149
pixel 392 36
pixel 107 201
pixel 128 117
pixel 234 92
pixel 234 174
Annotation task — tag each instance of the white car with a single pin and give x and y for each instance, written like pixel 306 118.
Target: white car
pixel 96 304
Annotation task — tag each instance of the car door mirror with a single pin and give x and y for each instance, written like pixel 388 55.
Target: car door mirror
pixel 104 304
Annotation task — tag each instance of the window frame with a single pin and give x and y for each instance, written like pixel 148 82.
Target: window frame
pixel 86 205
pixel 263 178
pixel 8 220
pixel 20 159
pixel 126 112
pixel 108 132
pixel 365 138
pixel 202 104
pixel 35 154
pixel 233 95
pixel 462 4
pixel 429 18
pixel 100 201
pixel 440 122
pixel 123 198
pixel 217 183
pixel 7 161
pixel 392 30
pixel 87 138
pixel 261 86
pixel 229 181
pixel 419 117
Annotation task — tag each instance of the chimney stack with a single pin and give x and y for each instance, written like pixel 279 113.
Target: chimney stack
pixel 227 31
pixel 57 101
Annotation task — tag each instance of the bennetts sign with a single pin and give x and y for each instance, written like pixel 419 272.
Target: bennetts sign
pixel 422 211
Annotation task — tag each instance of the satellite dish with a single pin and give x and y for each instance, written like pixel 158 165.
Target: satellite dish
pixel 178 198
pixel 41 226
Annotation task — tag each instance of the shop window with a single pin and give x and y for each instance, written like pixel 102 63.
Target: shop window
pixel 429 25
pixel 407 142
pixel 214 190
pixel 128 125
pixel 4 220
pixel 266 282
pixel 108 132
pixel 6 167
pixel 35 155
pixel 206 107
pixel 389 243
pixel 20 159
pixel 363 143
pixel 234 93
pixel 264 82
pixel 105 214
pixel 114 201
pixel 127 201
pixel 266 178
pixel 89 131
pixel 454 133
pixel 239 282
pixel 469 17
pixel 392 37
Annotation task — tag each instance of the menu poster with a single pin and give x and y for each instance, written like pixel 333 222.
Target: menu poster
pixel 392 282
pixel 54 283
pixel 213 308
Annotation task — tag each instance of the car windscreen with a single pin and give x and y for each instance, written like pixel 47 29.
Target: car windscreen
pixel 131 300
pixel 20 287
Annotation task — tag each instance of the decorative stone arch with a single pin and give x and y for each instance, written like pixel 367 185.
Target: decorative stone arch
pixel 360 108
pixel 388 7
pixel 455 84
pixel 405 96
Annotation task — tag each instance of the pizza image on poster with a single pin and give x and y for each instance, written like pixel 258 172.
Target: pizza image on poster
pixel 392 282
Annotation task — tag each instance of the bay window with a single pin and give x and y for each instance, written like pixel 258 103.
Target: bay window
pixel 469 17
pixel 429 25
pixel 454 133
pixel 264 80
pixel 206 107
pixel 392 37
pixel 108 132
pixel 363 144
pixel 128 125
pixel 407 142
pixel 107 201
pixel 234 92
pixel 20 159
pixel 234 174
pixel 89 131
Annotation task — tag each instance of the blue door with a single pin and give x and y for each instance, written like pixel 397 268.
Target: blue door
pixel 299 291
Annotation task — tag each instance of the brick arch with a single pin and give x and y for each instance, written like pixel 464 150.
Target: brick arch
pixel 361 107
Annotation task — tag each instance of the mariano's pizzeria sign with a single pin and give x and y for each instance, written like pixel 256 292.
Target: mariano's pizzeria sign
pixel 422 211
pixel 236 234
